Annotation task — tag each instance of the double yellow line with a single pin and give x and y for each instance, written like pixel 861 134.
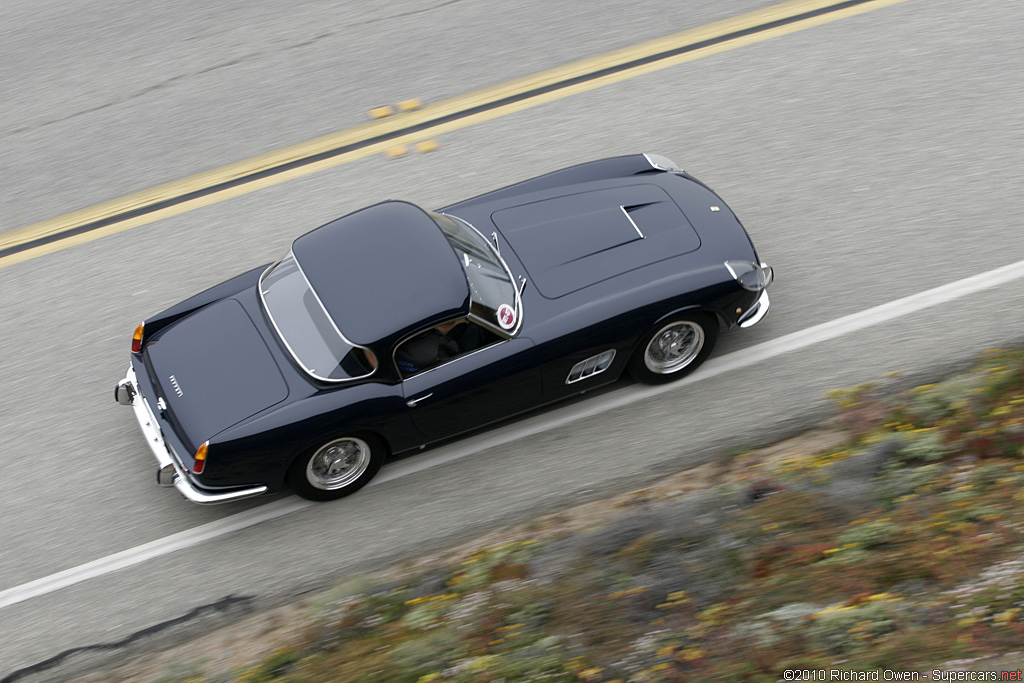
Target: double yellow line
pixel 435 119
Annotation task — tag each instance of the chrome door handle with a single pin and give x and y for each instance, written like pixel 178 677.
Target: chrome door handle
pixel 413 401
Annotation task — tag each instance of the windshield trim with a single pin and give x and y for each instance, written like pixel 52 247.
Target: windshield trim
pixel 508 334
pixel 284 339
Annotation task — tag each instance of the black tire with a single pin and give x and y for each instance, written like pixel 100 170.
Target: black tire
pixel 337 467
pixel 674 348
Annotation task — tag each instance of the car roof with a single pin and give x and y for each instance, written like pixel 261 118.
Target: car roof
pixel 383 272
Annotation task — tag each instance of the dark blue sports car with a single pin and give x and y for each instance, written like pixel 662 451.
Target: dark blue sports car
pixel 395 327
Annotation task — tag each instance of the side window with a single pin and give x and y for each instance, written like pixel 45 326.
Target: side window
pixel 439 344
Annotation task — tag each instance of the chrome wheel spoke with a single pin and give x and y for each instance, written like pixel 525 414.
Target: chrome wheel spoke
pixel 674 347
pixel 338 463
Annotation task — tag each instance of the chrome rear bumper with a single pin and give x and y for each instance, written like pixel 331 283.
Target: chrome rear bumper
pixel 170 472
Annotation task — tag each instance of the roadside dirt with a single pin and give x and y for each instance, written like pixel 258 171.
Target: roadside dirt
pixel 252 638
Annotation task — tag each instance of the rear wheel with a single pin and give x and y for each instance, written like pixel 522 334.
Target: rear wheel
pixel 674 349
pixel 337 467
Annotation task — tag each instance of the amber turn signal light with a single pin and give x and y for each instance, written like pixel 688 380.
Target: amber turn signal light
pixel 137 339
pixel 200 458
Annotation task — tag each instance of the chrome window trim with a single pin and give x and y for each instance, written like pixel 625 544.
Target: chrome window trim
pixel 511 278
pixel 421 373
pixel 284 340
pixel 594 370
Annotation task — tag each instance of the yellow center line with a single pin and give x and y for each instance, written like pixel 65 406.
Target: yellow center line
pixel 458 108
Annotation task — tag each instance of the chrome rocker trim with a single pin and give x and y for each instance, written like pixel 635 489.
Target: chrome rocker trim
pixel 757 312
pixel 170 472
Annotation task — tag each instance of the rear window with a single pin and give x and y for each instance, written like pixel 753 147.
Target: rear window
pixel 306 329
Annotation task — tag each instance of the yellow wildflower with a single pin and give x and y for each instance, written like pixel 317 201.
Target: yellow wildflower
pixel 693 652
pixel 1007 616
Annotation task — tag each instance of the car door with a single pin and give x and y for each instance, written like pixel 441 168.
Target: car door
pixel 474 389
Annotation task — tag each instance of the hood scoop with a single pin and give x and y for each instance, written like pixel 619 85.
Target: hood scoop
pixel 576 240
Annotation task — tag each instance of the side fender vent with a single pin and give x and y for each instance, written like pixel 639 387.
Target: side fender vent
pixel 594 365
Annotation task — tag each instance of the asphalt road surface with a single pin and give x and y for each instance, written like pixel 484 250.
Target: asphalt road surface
pixel 871 158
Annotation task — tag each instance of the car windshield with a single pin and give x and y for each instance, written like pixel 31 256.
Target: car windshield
pixel 305 327
pixel 494 300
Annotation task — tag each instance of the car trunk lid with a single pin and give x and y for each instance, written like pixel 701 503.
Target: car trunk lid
pixel 213 370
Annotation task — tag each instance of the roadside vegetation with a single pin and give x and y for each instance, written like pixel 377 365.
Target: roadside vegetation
pixel 901 549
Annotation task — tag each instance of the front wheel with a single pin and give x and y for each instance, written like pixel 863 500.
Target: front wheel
pixel 337 468
pixel 674 349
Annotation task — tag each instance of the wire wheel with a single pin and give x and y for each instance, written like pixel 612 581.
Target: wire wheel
pixel 338 463
pixel 674 347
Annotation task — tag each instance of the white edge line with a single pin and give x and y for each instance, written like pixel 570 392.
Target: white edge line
pixel 151 550
pixel 714 367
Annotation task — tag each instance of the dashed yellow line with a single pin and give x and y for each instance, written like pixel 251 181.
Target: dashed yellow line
pixel 410 114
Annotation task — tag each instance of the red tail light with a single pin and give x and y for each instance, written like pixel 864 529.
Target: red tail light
pixel 200 458
pixel 137 339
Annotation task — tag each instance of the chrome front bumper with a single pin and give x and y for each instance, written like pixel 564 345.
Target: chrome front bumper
pixel 757 312
pixel 170 472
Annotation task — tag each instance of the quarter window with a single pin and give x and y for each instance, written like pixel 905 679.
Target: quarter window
pixel 494 299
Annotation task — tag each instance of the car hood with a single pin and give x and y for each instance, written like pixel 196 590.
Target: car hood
pixel 570 241
pixel 213 370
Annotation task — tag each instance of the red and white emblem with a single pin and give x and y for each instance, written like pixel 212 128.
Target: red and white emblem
pixel 506 317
